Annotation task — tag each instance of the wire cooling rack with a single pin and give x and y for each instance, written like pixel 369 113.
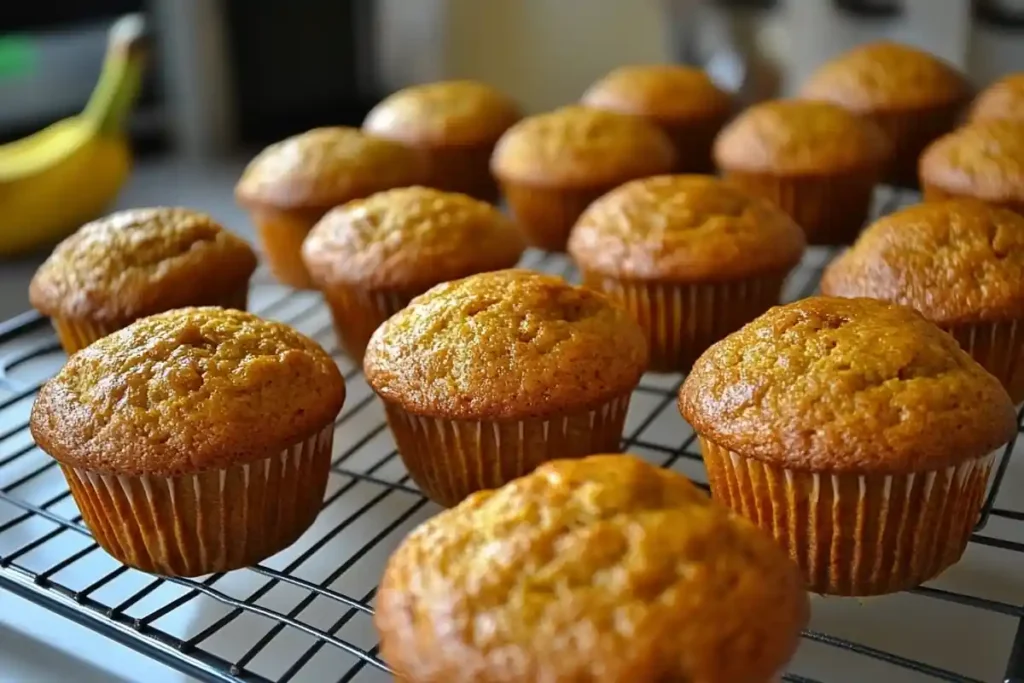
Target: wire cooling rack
pixel 305 614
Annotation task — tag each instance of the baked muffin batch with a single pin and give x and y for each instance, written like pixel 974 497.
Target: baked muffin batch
pixel 848 438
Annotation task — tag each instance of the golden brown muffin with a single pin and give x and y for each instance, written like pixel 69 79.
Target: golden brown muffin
pixel 857 432
pixel 194 441
pixel 551 166
pixel 486 377
pixel 291 184
pixel 983 160
pixel 454 125
pixel 911 95
pixel 960 263
pixel 815 160
pixel 1004 99
pixel 371 256
pixel 604 569
pixel 135 263
pixel 691 257
pixel 681 100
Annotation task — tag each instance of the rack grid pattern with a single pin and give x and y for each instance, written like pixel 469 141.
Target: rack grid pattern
pixel 305 614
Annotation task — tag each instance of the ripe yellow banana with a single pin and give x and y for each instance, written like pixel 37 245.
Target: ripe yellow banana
pixel 68 173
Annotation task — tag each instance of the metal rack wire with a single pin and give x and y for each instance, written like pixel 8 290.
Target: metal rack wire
pixel 304 615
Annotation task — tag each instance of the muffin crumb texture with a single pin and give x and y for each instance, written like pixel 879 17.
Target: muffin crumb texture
pixel 847 385
pixel 684 228
pixel 410 237
pixel 510 344
pixel 604 569
pixel 984 159
pixel 448 113
pixel 799 137
pixel 886 76
pixel 187 391
pixel 140 261
pixel 580 147
pixel 958 261
pixel 1004 99
pixel 324 167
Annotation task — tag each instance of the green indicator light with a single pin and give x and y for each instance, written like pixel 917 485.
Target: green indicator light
pixel 17 57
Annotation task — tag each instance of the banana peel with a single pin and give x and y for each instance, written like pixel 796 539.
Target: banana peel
pixel 67 174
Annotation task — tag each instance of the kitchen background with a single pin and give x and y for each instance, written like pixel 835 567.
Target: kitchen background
pixel 231 75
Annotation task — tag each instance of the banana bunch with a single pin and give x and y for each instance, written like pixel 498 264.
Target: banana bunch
pixel 67 174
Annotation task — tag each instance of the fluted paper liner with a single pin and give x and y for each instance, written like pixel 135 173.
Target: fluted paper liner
pixel 852 534
pixel 998 347
pixel 832 210
pixel 281 234
pixel 75 335
pixel 546 215
pixel 682 320
pixel 357 313
pixel 450 459
pixel 213 521
pixel 909 133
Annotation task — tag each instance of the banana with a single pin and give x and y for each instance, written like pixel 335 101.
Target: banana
pixel 55 180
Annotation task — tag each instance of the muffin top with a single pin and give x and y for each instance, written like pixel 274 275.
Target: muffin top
pixel 137 262
pixel 324 167
pixel 798 137
pixel 956 261
pixel 886 76
pixel 667 93
pixel 1004 99
pixel 984 159
pixel 581 147
pixel 684 228
pixel 602 569
pixel 186 391
pixel 445 114
pixel 847 385
pixel 410 238
pixel 506 345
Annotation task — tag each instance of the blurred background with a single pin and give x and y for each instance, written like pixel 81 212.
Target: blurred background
pixel 229 76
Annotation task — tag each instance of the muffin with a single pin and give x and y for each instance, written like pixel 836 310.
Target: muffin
pixel 454 125
pixel 551 166
pixel 371 256
pixel 913 96
pixel 1004 99
pixel 856 432
pixel 815 160
pixel 604 569
pixel 290 185
pixel 960 264
pixel 194 441
pixel 486 377
pixel 135 263
pixel 691 257
pixel 984 160
pixel 681 100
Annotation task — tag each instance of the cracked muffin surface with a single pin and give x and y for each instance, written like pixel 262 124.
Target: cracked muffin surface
pixel 186 391
pixel 846 385
pixel 604 569
pixel 509 344
pixel 957 261
pixel 141 261
pixel 684 228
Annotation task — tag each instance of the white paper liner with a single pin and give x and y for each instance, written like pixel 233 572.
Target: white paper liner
pixel 450 459
pixel 856 535
pixel 213 521
pixel 998 347
pixel 682 320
